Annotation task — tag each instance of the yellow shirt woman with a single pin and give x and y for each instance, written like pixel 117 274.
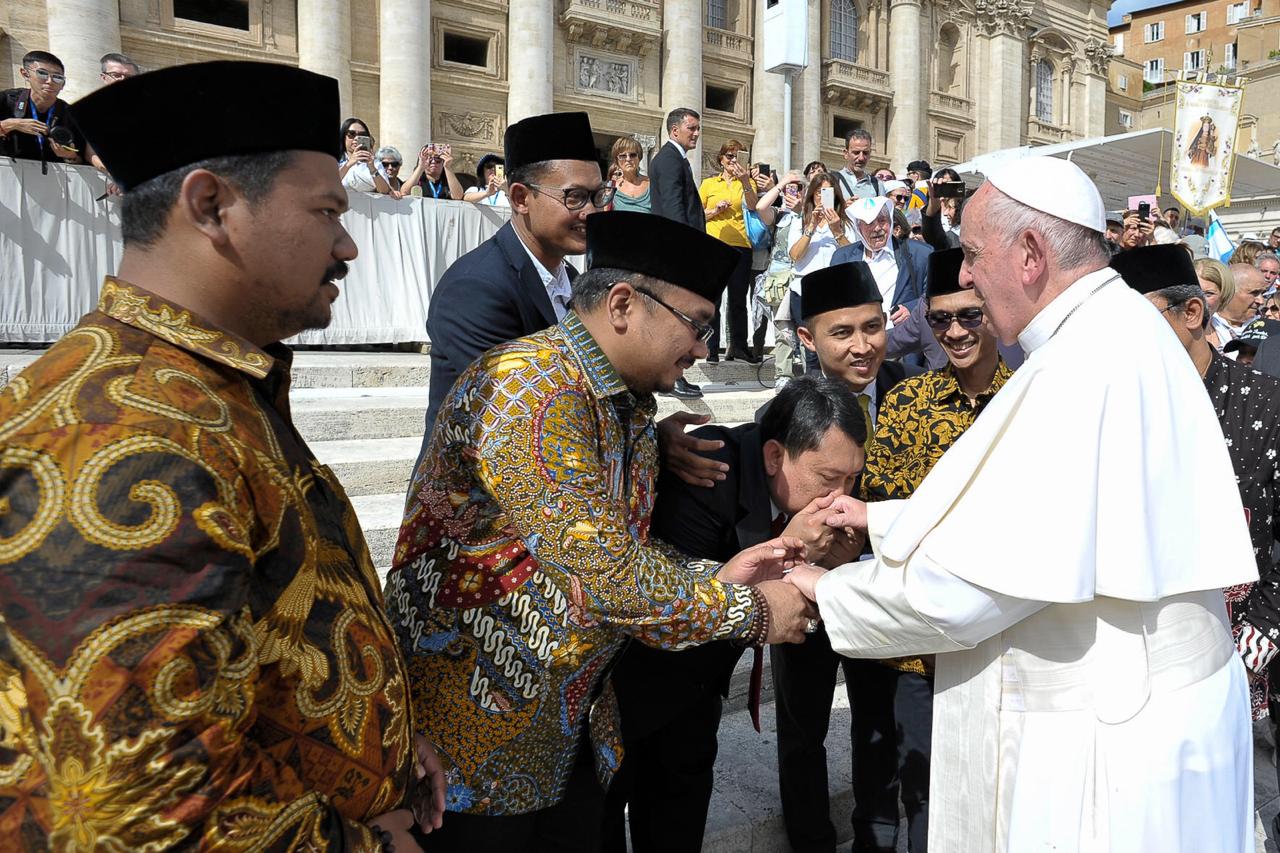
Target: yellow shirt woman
pixel 728 225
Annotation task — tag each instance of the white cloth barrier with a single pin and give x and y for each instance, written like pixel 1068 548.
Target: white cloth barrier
pixel 57 242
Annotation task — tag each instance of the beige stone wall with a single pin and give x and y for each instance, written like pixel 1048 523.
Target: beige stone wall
pixel 970 60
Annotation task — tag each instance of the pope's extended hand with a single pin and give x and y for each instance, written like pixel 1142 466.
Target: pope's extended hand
pixel 848 512
pixel 805 578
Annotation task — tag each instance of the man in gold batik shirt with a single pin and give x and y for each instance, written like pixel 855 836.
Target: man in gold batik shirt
pixel 193 650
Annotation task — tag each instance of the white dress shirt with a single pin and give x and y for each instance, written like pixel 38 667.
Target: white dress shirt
pixel 884 267
pixel 556 283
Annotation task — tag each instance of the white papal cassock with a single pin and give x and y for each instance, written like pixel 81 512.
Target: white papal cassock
pixel 1065 559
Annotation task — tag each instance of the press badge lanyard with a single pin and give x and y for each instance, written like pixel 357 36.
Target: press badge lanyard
pixel 435 188
pixel 35 114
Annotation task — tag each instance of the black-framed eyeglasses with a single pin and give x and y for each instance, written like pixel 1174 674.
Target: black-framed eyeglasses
pixel 46 75
pixel 968 318
pixel 702 331
pixel 576 198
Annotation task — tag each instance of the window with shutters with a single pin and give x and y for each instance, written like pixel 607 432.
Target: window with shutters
pixel 1044 91
pixel 844 30
pixel 718 14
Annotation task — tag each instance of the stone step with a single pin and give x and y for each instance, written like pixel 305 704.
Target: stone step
pixel 346 414
pixel 380 517
pixel 344 369
pixel 370 466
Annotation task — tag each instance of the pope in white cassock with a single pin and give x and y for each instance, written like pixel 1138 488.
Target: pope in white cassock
pixel 1065 561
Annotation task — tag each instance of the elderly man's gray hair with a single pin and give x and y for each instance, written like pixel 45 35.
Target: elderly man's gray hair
pixel 386 152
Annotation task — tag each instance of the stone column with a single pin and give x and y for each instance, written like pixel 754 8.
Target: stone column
pixel 1091 114
pixel 905 59
pixel 682 42
pixel 766 104
pixel 808 123
pixel 80 31
pixel 404 89
pixel 1002 24
pixel 324 43
pixel 529 58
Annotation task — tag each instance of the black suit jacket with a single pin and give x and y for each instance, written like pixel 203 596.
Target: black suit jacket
pixel 672 192
pixel 715 523
pixel 491 295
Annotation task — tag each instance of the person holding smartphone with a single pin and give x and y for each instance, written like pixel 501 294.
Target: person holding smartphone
pixel 357 168
pixel 433 174
pixel 940 219
pixel 823 229
pixel 492 172
pixel 722 197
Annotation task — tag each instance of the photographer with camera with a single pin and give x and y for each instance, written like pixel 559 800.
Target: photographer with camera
pixel 34 124
pixel 432 175
pixel 357 168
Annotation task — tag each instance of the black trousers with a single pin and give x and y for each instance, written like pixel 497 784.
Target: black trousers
pixel 738 291
pixel 570 826
pixel 913 716
pixel 665 782
pixel 804 679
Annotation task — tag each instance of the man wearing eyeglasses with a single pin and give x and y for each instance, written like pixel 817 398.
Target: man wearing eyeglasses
pixel 525 562
pixel 518 282
pixel 31 114
pixel 919 421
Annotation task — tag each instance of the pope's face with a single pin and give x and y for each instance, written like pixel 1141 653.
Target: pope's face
pixel 796 481
pixel 988 268
pixel 850 343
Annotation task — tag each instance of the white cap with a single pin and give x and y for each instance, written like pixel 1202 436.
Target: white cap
pixel 1054 186
pixel 890 186
pixel 868 209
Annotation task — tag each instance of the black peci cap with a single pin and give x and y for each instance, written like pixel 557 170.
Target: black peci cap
pixel 1151 268
pixel 944 272
pixel 662 248
pixel 205 112
pixel 554 136
pixel 838 286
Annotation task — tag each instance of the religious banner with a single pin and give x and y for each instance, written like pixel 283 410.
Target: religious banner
pixel 1204 144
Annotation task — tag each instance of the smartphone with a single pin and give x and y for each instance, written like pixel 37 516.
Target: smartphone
pixel 364 142
pixel 500 172
pixel 949 189
pixel 791 190
pixel 827 196
pixel 765 169
pixel 1144 211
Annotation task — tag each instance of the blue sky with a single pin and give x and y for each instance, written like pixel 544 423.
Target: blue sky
pixel 1123 7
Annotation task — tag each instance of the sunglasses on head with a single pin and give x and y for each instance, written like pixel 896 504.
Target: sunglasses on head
pixel 968 318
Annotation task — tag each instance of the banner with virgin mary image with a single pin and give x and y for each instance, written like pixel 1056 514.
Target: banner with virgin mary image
pixel 1204 144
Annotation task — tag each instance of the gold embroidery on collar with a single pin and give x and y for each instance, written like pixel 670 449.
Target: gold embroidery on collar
pixel 131 305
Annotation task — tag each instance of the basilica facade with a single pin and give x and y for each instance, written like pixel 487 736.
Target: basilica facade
pixel 942 80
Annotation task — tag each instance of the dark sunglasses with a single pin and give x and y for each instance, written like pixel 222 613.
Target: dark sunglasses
pixel 352 134
pixel 968 318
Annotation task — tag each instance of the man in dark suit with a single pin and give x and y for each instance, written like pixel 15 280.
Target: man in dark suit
pixel 517 282
pixel 783 473
pixel 673 193
pixel 844 323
